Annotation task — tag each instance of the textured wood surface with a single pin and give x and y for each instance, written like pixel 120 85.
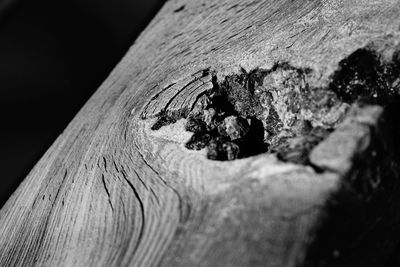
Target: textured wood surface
pixel 112 192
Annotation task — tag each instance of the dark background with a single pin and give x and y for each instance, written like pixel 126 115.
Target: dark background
pixel 53 56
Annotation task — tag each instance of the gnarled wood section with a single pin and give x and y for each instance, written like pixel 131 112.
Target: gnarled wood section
pixel 110 191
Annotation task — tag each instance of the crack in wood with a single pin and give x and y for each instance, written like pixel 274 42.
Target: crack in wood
pixel 142 210
pixel 107 192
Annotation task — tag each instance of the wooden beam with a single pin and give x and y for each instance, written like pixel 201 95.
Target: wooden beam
pixel 113 192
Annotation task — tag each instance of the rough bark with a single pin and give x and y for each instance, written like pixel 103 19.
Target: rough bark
pixel 113 192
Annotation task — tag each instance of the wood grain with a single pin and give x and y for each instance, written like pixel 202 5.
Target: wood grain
pixel 112 192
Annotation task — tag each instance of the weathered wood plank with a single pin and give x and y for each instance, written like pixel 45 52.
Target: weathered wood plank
pixel 111 191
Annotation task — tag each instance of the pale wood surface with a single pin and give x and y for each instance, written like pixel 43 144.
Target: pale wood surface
pixel 111 192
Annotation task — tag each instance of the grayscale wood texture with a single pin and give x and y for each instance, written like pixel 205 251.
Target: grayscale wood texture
pixel 111 192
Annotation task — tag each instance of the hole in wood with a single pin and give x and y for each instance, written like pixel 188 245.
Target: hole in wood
pixel 277 111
